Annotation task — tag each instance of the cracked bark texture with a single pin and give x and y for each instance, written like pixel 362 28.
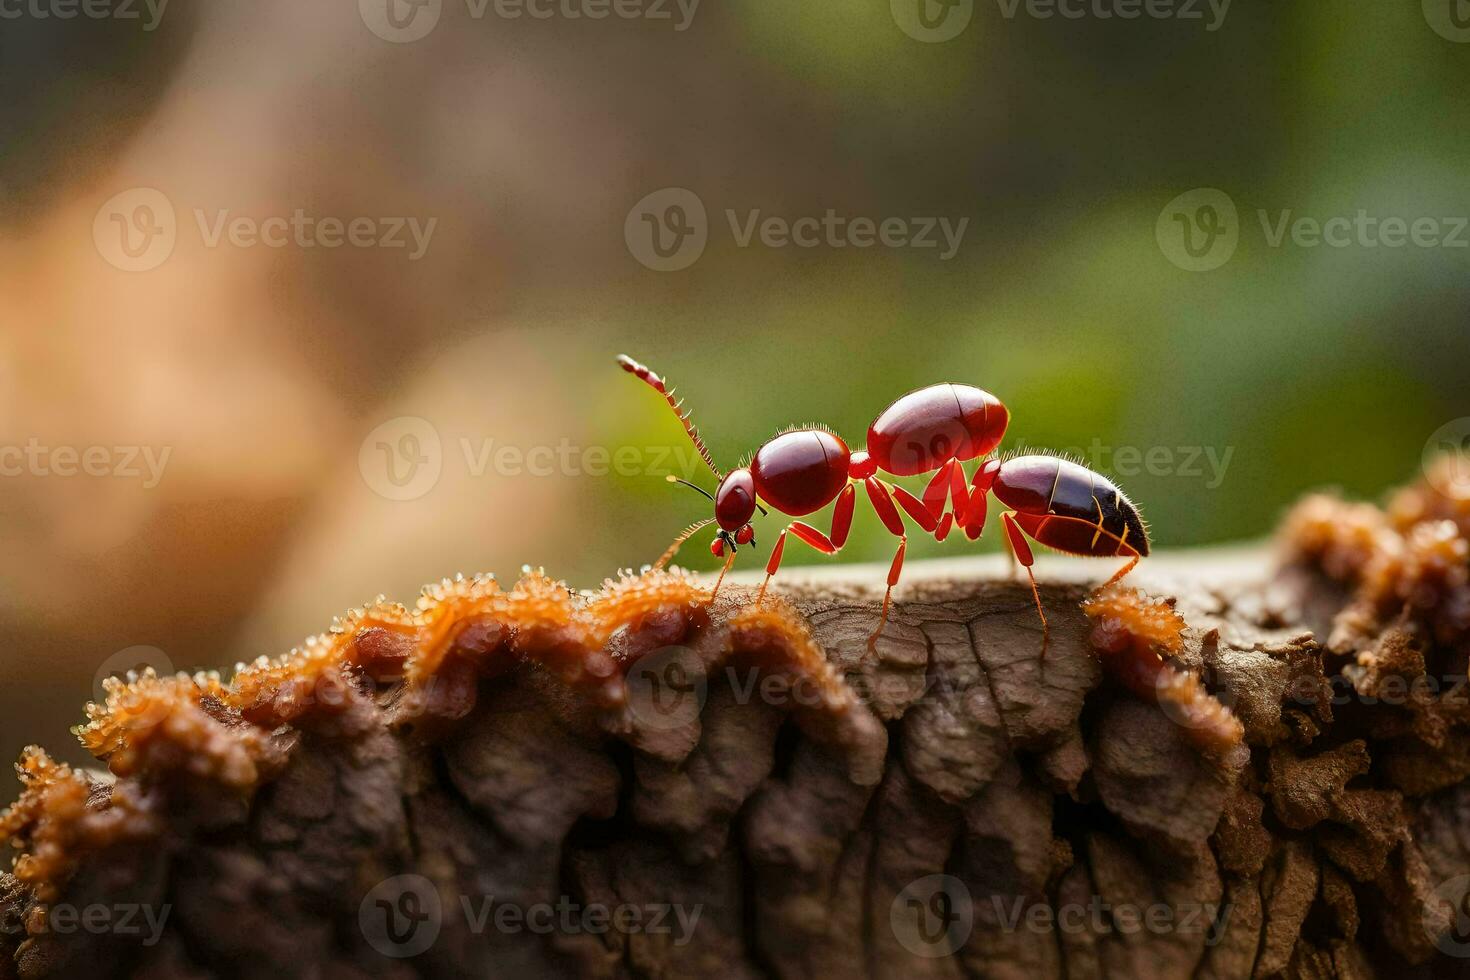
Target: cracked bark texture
pixel 1088 836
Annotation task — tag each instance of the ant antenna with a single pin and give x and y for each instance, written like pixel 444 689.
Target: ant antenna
pixel 674 479
pixel 684 535
pixel 653 381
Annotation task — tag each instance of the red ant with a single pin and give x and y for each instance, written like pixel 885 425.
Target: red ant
pixel 1057 502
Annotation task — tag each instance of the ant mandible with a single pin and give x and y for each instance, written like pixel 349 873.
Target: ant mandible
pixel 1056 502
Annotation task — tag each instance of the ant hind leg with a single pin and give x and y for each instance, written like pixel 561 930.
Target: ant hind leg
pixel 1118 575
pixel 1022 552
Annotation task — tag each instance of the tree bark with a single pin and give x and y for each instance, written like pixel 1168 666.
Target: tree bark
pixel 984 807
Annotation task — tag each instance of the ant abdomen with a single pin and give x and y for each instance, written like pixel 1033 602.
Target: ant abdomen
pixel 927 428
pixel 1066 506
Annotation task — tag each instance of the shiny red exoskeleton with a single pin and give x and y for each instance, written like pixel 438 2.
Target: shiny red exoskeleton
pixel 1056 502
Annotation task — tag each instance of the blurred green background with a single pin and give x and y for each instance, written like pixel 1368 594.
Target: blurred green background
pixel 265 372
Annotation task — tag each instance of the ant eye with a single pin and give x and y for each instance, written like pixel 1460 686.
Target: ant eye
pixel 745 535
pixel 717 547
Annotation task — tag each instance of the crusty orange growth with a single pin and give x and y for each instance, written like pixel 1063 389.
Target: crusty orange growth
pixel 776 637
pixel 629 600
pixel 160 724
pixel 1337 536
pixel 184 725
pixel 53 821
pixel 1131 632
pixel 279 689
pixel 1129 612
pixel 468 615
pixel 1443 494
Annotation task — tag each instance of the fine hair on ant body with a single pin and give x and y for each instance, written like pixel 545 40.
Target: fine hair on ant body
pixel 1054 501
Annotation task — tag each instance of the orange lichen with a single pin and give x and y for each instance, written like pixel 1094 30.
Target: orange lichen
pixel 157 728
pixel 1153 622
pixel 1131 634
pixel 631 599
pixel 774 636
pixel 278 690
pixel 55 820
pixel 1337 536
pixel 1442 495
pixel 159 724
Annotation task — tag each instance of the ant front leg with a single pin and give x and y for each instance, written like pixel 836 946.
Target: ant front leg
pixel 1023 554
pixel 826 544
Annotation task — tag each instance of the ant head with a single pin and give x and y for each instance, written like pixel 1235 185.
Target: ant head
pixel 735 501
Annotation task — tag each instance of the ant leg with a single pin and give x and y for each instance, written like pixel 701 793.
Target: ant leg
pixel 1012 566
pixel 729 560
pixel 888 514
pixel 939 488
pixel 1023 554
pixel 841 525
pixel 684 535
pixel 1122 571
pixel 959 493
pixel 915 508
pixel 894 571
pixel 979 494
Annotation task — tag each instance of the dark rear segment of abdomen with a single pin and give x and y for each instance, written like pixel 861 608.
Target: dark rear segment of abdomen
pixel 1084 503
pixel 927 428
